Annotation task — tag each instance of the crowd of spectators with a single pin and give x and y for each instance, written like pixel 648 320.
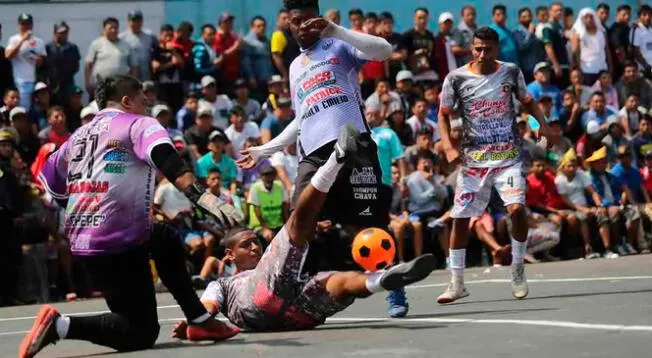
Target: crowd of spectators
pixel 589 181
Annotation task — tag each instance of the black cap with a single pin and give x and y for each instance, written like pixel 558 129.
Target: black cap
pixel 284 102
pixel 266 168
pixel 24 17
pixel 239 83
pixel 135 15
pixel 77 90
pixel 61 27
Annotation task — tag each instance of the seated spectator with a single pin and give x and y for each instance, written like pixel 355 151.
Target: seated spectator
pixel 28 143
pixel 530 148
pixel 383 98
pixel 455 136
pixel 221 104
pixel 542 87
pixel 197 136
pixel 405 89
pixel 187 114
pixel 547 107
pixel 216 158
pixel 431 94
pixel 419 120
pixel 57 129
pixel 269 204
pixel 251 107
pixel 286 163
pixel 424 145
pixel 627 173
pixel 397 123
pixel 427 195
pixel 604 84
pixel 276 88
pixel 590 141
pixel 10 100
pixel 615 139
pixel 240 130
pixel 582 92
pixel 646 172
pixel 613 195
pixel 642 141
pixel 598 111
pixel 570 115
pixel 574 187
pixel 400 218
pixel 631 114
pixel 542 236
pixel 170 203
pixel 633 82
pixel 163 114
pixel 38 113
pixel 87 114
pixel 558 145
pixel 276 122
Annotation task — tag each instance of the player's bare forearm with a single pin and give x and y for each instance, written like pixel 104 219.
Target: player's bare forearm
pixel 444 130
pixel 402 167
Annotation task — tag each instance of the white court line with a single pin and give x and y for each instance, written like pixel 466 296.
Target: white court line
pixel 413 287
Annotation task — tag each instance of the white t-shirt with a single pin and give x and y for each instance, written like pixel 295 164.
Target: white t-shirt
pixel 171 200
pixel 24 63
pixel 238 139
pixel 643 40
pixel 415 124
pixel 632 118
pixel 575 189
pixel 289 162
pixel 221 108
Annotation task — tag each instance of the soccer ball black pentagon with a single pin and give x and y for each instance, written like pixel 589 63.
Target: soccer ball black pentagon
pixel 373 249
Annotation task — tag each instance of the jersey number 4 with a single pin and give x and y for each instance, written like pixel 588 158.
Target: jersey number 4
pixel 83 147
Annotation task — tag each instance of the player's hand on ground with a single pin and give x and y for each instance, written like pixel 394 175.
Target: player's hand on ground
pixel 452 155
pixel 224 212
pixel 179 330
pixel 315 27
pixel 250 157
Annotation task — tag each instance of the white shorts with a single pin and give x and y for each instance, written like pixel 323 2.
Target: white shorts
pixel 474 186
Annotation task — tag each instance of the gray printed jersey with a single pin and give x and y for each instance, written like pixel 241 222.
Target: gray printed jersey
pixel 488 109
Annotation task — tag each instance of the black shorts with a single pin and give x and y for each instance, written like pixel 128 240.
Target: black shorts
pixel 358 196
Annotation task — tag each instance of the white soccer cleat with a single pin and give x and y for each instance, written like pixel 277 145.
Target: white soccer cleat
pixel 519 283
pixel 454 292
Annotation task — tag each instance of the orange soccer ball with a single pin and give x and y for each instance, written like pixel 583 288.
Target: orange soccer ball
pixel 373 249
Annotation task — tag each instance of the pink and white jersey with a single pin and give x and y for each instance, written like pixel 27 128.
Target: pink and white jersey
pixel 325 92
pixel 488 110
pixel 106 173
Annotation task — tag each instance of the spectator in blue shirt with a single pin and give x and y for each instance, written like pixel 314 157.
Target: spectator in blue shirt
pixel 257 55
pixel 187 114
pixel 542 87
pixel 530 48
pixel 628 174
pixel 205 60
pixel 274 124
pixel 598 111
pixel 508 47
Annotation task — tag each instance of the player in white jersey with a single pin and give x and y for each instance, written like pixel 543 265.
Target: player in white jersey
pixel 484 92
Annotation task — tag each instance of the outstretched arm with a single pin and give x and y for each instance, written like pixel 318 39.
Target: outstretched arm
pixel 253 155
pixel 369 47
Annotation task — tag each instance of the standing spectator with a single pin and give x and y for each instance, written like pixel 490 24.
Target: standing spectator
pixel 399 54
pixel 420 46
pixel 198 135
pixel 384 98
pixel 269 202
pixel 221 104
pixel 167 67
pixel 57 129
pixel 419 120
pixel 633 83
pixel 602 11
pixel 642 141
pixel 370 23
pixel 251 107
pixel 26 52
pixel 356 20
pixel 283 46
pixel 543 19
pixel 240 130
pixel 530 47
pixel 142 42
pixel 228 45
pixel 6 72
pixel 276 122
pixel 618 39
pixel 427 195
pixel 205 60
pixel 464 36
pixel 604 84
pixel 555 41
pixel 38 113
pixel 108 56
pixel 631 115
pixel 590 48
pixel 542 87
pixel 216 158
pixel 28 143
pixel 186 116
pixel 582 92
pixel 256 55
pixel 389 147
pixel 507 46
pixel 286 163
pixel 371 71
pixel 73 107
pixel 598 111
pixel 62 64
pixel 333 15
pixel 641 38
pixel 183 43
pixel 448 33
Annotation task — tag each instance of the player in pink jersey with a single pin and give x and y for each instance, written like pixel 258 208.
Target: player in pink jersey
pixel 483 93
pixel 104 177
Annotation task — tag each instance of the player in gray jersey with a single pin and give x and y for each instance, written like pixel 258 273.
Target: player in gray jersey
pixel 484 93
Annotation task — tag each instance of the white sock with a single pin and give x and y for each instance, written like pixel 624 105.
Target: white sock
pixel 458 262
pixel 326 174
pixel 63 324
pixel 373 281
pixel 518 251
pixel 201 319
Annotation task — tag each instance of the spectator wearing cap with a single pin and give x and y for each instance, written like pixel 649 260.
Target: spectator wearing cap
pixel 632 82
pixel 333 15
pixel 547 107
pixel 631 114
pixel 6 72
pixel 108 55
pixel 268 204
pixel 642 141
pixel 541 86
pixel 229 45
pixel 420 46
pixel 240 130
pixel 558 144
pixel 87 114
pixel 26 52
pixel 183 39
pixel 423 144
pixel 405 89
pixel 615 139
pixel 142 42
pixel 151 95
pixel 449 35
pixel 57 129
pixel 28 143
pixel 604 84
pixel 619 40
pixel 205 60
pixel 283 46
pixel 530 47
pixel 276 122
pixel 419 120
pixel 590 47
pixel 555 44
pixel 197 135
pixel 163 115
pixel 10 100
pixel 641 36
pixel 185 117
pixel 216 158
pixel 62 63
pixel 598 111
pixel 221 104
pixel 397 122
pixel 399 53
pixel 251 107
pixel 257 65
pixel 508 50
pixel 384 98
pixel 276 88
pixel 590 141
pixel 167 67
pixel 40 105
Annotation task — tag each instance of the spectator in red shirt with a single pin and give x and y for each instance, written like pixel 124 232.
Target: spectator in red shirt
pixel 57 130
pixel 228 44
pixel 646 172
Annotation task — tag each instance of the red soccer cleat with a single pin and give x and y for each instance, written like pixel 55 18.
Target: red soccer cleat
pixel 42 334
pixel 211 330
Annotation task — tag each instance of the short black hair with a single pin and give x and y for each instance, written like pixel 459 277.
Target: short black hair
pixel 166 28
pixel 524 9
pixel 110 20
pixel 497 7
pixel 257 17
pixel 568 11
pixel 597 93
pixel 644 9
pixel 113 88
pixel 301 4
pixel 207 26
pixel 371 15
pixel 427 155
pixel 486 34
pixel 355 11
pixel 422 9
pixel 471 7
pixel 191 95
pixel 185 25
pixel 229 239
pixel 624 7
pixel 603 6
pixel 10 89
pixel 386 15
pixel 541 9
pixel 282 11
pixel 630 63
pixel 603 72
pixel 568 91
pixel 214 170
pixel 538 157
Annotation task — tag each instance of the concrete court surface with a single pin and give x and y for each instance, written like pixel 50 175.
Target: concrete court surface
pixel 596 308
